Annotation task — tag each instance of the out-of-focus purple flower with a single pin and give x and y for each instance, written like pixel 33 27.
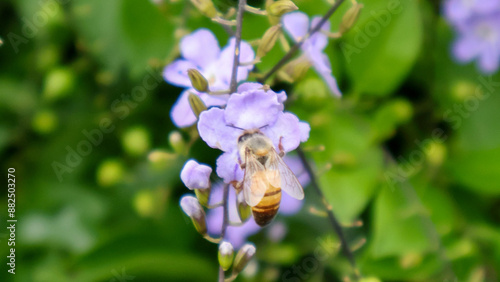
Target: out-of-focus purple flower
pixel 277 231
pixel 297 25
pixel 477 24
pixel 250 108
pixel 195 175
pixel 458 11
pixel 200 50
pixel 479 38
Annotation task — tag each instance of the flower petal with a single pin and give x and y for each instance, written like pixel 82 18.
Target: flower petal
pixel 296 24
pixel 489 60
pixel 214 131
pixel 466 48
pixel 287 130
pixel 176 73
pixel 304 131
pixel 200 47
pixel 214 100
pixel 195 175
pixel 252 110
pixel 320 61
pixel 227 58
pixel 228 167
pixel 182 115
pixel 331 82
pixel 248 86
pixel 319 40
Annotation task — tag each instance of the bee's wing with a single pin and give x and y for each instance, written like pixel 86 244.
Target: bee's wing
pixel 254 182
pixel 281 175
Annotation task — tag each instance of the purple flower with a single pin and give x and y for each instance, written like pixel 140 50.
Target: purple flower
pixel 195 175
pixel 479 38
pixel 250 108
pixel 458 11
pixel 478 26
pixel 201 51
pixel 297 25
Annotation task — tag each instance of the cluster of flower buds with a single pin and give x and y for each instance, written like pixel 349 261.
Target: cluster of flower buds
pixel 241 260
pixel 197 177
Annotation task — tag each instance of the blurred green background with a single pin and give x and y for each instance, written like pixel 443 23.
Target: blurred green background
pixel 414 146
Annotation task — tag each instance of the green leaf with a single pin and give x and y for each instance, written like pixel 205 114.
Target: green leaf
pixel 398 226
pixel 477 170
pixel 382 47
pixel 475 150
pixel 124 33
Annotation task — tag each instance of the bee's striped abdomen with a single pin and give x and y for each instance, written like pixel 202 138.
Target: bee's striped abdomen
pixel 267 208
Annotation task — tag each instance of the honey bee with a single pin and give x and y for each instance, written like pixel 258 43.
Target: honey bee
pixel 266 174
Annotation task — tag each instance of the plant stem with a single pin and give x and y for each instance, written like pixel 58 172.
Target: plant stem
pixel 236 63
pixel 299 43
pixel 331 216
pixel 232 88
pixel 225 222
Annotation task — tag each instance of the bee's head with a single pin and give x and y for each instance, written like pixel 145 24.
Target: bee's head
pixel 248 134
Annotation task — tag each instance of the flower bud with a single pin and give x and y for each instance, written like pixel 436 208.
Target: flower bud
pixel 297 68
pixel 244 210
pixel 203 196
pixel 136 141
pixel 281 7
pixel 196 104
pixel 177 142
pixel 161 159
pixel 350 18
pixel 44 121
pixel 244 255
pixel 193 209
pixel 199 82
pixel 268 40
pixel 206 7
pixel 195 175
pixel 225 255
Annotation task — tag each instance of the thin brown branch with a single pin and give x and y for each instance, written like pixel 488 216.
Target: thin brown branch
pixel 236 63
pixel 225 222
pixel 331 216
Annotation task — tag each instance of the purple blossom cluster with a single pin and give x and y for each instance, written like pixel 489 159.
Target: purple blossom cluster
pixel 252 107
pixel 200 50
pixel 477 23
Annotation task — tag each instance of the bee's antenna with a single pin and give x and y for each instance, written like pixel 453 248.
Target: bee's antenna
pixel 236 127
pixel 263 126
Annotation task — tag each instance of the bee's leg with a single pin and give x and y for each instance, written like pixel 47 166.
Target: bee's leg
pixel 242 165
pixel 280 148
pixel 237 185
